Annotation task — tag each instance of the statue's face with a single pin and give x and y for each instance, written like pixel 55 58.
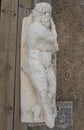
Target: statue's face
pixel 42 14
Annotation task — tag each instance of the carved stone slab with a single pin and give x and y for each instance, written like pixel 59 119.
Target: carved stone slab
pixel 38 62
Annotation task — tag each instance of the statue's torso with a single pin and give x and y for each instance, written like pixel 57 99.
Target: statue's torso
pixel 38 47
pixel 42 56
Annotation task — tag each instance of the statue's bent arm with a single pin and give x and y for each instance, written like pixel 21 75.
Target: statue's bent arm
pixel 40 32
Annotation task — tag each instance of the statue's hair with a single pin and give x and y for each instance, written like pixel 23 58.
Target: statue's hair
pixel 43 6
pixel 40 7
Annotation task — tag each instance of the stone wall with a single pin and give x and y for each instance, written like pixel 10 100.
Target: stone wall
pixel 69 17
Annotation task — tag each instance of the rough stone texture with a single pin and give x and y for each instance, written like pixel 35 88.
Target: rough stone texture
pixel 64 117
pixel 69 18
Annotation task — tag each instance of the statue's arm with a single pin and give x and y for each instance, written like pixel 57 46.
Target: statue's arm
pixel 54 33
pixel 40 32
pixel 47 36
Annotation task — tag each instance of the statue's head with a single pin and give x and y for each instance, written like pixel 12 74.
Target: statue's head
pixel 42 13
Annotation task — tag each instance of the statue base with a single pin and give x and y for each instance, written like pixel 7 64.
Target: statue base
pixel 64 117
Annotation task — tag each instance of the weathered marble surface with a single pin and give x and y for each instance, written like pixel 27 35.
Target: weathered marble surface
pixel 38 79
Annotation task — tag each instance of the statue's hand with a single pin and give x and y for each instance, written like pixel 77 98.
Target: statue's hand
pixel 55 48
pixel 53 28
pixel 54 33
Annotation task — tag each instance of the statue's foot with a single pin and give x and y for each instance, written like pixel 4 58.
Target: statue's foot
pixel 49 120
pixel 36 112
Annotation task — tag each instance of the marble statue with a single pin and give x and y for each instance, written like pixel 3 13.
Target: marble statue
pixel 38 79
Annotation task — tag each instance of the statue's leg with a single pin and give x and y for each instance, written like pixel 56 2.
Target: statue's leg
pixel 37 75
pixel 51 77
